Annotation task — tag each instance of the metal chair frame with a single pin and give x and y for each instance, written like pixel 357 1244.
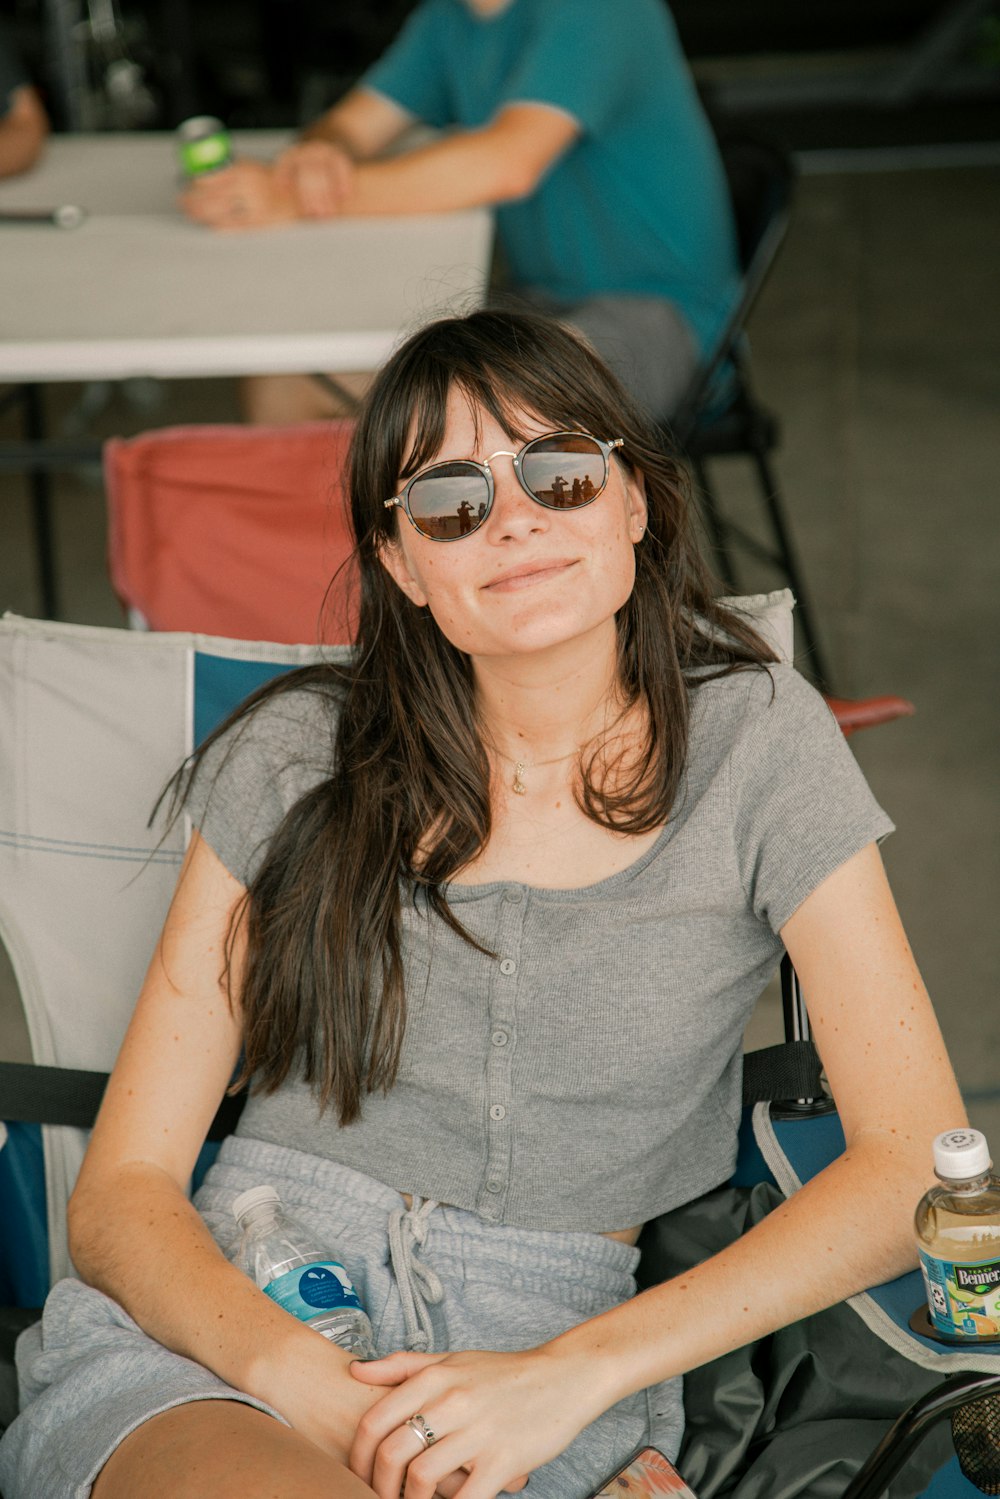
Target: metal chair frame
pixel 719 415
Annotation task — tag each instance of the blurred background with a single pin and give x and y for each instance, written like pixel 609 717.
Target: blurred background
pixel 835 73
pixel 876 344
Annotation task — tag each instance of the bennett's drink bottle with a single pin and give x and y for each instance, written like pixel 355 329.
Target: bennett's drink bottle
pixel 282 1256
pixel 958 1238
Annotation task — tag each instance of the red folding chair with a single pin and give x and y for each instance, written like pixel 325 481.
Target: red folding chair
pixel 234 530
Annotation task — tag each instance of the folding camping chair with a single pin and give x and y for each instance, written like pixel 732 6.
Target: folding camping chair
pixel 95 721
pixel 233 530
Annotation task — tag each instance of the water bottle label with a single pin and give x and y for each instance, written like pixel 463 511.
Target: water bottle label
pixel 321 1287
pixel 963 1298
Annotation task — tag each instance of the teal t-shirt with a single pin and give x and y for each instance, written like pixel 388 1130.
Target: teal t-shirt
pixel 639 203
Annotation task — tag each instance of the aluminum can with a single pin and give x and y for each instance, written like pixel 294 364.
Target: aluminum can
pixel 203 145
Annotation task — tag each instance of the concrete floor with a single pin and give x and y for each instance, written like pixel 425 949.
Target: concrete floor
pixel 877 340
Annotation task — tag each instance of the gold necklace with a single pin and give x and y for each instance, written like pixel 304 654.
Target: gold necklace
pixel 520 766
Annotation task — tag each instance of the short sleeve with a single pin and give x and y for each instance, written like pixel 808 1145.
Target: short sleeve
pixel 580 58
pixel 409 71
pixel 256 771
pixel 801 806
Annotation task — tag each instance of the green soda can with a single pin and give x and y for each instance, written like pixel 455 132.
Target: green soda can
pixel 203 145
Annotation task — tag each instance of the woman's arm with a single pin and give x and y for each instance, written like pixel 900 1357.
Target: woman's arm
pixel 133 1231
pixel 848 1229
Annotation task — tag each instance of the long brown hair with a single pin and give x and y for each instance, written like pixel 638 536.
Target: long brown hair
pixel 407 802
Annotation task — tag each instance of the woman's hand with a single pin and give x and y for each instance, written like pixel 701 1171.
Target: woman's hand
pixel 247 195
pixel 497 1416
pixel 319 176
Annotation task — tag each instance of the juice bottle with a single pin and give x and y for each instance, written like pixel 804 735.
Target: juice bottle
pixel 958 1238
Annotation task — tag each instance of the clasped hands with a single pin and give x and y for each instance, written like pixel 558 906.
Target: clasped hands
pixel 310 180
pixel 492 1419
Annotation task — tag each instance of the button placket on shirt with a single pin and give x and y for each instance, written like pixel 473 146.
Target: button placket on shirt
pixel 499 1061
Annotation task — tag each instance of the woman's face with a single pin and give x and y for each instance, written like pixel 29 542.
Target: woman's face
pixel 528 578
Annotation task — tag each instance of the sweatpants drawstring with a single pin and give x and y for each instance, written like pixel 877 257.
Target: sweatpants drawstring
pixel 419 1286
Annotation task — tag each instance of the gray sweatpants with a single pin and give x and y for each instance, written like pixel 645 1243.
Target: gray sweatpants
pixel 89 1376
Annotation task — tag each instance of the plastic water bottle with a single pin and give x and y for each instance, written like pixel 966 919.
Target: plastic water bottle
pixel 280 1254
pixel 958 1239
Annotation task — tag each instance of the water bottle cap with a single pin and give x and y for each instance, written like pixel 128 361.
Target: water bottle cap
pixel 960 1154
pixel 250 1199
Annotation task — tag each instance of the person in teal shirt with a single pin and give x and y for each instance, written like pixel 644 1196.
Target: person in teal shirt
pixel 581 124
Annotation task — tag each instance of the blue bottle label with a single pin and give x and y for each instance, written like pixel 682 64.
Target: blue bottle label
pixel 320 1287
pixel 963 1297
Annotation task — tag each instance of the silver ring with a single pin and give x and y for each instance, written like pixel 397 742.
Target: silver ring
pixel 419 1427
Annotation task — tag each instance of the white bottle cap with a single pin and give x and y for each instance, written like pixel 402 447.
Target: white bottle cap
pixel 251 1198
pixel 960 1154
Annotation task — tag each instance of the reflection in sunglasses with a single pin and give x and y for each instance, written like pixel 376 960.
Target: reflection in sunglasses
pixel 452 499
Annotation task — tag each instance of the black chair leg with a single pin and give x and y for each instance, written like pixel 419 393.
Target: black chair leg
pixel 715 526
pixel 789 563
pixel 40 489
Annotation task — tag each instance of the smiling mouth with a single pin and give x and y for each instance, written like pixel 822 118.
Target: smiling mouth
pixel 514 581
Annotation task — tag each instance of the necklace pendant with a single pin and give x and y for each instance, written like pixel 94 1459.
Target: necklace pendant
pixel 517 785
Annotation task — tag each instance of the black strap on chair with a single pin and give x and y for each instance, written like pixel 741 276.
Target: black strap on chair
pixel 790 1070
pixel 31 1094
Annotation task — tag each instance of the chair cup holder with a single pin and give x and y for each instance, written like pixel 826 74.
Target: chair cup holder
pixel 920 1323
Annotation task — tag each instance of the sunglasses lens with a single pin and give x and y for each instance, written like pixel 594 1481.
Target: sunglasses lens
pixel 449 501
pixel 564 471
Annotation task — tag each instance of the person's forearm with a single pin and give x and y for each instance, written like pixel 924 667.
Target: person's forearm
pixel 330 129
pixel 362 124
pixel 138 1239
pixel 21 144
pixel 848 1229
pixel 462 171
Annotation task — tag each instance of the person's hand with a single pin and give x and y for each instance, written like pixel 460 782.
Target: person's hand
pixel 247 195
pixel 319 176
pixel 497 1416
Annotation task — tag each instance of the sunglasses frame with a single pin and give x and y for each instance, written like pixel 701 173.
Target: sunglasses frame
pixel 403 498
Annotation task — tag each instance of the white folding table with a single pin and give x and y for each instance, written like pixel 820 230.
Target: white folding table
pixel 138 290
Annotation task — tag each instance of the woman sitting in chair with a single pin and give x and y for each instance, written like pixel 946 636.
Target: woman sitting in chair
pixel 483 915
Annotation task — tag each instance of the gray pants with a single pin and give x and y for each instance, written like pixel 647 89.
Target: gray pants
pixel 89 1376
pixel 646 341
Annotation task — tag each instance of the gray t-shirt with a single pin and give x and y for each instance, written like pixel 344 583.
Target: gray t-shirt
pixel 588 1076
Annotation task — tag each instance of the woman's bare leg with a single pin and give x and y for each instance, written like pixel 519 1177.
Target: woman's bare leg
pixel 227 1450
pixel 277 400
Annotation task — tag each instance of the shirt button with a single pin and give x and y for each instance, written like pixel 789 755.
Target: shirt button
pixel 498 1111
pixel 513 897
pixel 507 965
pixel 494 1186
pixel 499 1038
